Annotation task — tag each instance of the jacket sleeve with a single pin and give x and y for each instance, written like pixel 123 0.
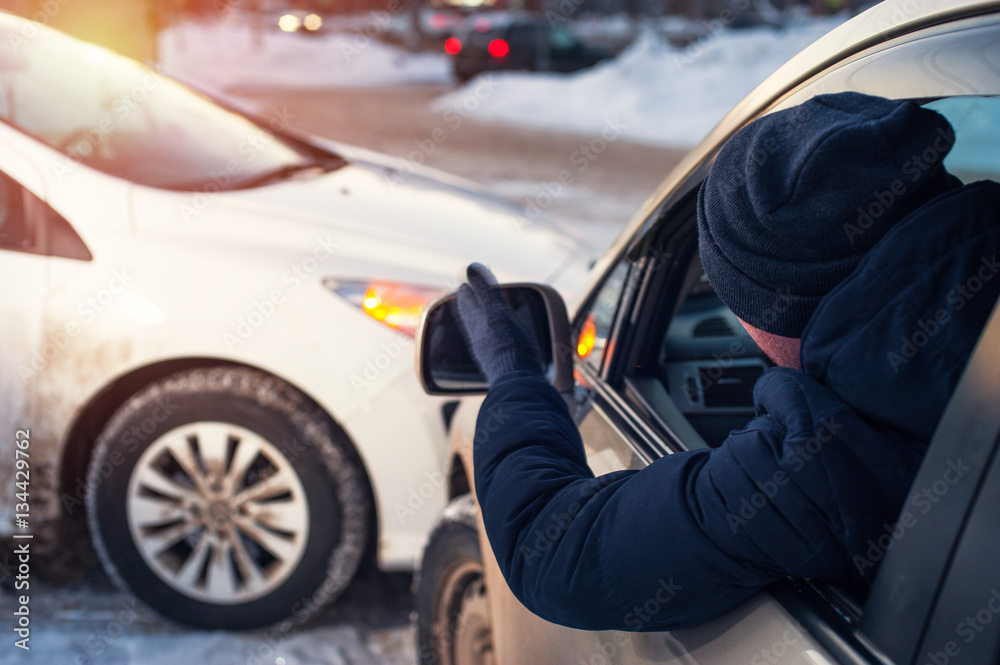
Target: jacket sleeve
pixel 669 546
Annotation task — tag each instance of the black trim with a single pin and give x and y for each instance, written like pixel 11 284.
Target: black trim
pixel 647 447
pixel 958 631
pixel 827 623
pixel 49 232
pixel 448 412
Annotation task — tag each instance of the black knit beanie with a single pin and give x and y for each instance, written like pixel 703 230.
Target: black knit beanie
pixel 797 198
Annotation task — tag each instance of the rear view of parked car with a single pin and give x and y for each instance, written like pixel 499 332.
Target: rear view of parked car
pixel 524 43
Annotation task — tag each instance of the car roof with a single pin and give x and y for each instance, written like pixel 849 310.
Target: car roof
pixel 879 24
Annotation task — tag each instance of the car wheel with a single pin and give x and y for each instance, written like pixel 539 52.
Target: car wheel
pixel 224 498
pixel 453 615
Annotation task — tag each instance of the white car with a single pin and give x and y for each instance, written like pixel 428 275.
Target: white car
pixel 206 336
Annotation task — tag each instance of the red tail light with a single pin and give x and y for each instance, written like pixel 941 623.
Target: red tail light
pixel 499 48
pixel 452 45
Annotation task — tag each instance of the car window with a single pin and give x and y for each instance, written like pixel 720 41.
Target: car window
pixel 121 117
pixel 28 224
pixel 15 231
pixel 480 38
pixel 595 327
pixel 562 39
pixel 956 63
pixel 523 37
pixel 976 152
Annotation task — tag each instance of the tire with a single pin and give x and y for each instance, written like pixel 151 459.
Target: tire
pixel 450 595
pixel 223 498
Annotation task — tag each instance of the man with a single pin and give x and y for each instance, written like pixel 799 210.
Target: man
pixel 862 307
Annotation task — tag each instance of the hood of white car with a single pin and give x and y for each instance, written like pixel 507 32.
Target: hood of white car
pixel 387 224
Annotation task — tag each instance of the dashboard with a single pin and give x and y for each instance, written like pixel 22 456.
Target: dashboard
pixel 709 364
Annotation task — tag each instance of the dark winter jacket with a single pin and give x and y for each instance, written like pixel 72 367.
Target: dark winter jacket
pixel 806 489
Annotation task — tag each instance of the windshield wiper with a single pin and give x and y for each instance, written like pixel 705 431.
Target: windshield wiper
pixel 288 171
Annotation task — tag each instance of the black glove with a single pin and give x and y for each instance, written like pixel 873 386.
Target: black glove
pixel 497 339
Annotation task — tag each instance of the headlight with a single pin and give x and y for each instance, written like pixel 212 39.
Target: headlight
pixel 289 23
pixel 396 305
pixel 312 22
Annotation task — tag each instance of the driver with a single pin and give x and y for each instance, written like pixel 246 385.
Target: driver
pixel 834 232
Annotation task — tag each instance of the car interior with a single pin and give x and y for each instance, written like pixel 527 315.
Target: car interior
pixel 697 367
pixel 708 362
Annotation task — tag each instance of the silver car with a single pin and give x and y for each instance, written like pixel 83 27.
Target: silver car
pixel 937 594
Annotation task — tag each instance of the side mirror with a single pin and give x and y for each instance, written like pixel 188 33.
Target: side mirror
pixel 445 363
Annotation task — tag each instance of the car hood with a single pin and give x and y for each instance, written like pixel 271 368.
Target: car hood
pixel 387 221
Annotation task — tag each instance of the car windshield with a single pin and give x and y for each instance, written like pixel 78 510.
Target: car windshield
pixel 118 116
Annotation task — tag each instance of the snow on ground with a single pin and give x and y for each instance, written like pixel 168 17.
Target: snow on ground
pixel 91 623
pixel 236 53
pixel 656 93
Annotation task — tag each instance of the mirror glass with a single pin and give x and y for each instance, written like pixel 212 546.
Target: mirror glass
pixel 447 363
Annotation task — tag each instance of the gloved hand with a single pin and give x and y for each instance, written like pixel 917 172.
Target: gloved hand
pixel 497 339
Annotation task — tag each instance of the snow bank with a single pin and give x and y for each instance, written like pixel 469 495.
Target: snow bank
pixel 661 94
pixel 231 54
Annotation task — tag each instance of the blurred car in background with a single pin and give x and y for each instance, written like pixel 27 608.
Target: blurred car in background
pixel 206 327
pixel 517 42
pixel 439 20
pixel 439 23
pixel 306 22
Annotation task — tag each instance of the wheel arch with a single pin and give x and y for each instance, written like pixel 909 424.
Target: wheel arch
pixel 86 426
